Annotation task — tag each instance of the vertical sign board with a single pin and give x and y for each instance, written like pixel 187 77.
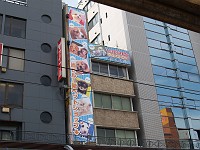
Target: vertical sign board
pixel 61 59
pixel 1 53
pixel 80 81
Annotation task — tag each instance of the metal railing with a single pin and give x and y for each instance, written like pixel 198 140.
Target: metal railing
pixel 18 2
pixel 33 137
pixel 54 138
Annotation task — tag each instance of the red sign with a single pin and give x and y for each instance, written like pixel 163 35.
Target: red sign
pixel 1 53
pixel 61 59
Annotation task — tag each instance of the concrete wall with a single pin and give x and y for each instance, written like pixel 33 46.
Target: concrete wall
pixel 112 85
pixel 116 119
pixel 141 73
pixel 37 97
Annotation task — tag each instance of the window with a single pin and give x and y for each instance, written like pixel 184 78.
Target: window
pixel 1 19
pixel 13 58
pixel 88 6
pixel 15 27
pixel 108 69
pixel 11 94
pixel 10 130
pixel 97 39
pixel 116 137
pixel 112 102
pixel 108 37
pixel 93 21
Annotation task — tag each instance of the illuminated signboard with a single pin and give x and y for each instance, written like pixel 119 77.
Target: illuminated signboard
pixel 1 53
pixel 80 80
pixel 61 59
pixel 110 54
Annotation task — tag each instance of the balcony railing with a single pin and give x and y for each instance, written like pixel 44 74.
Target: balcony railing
pixel 18 2
pixel 32 137
pixel 60 139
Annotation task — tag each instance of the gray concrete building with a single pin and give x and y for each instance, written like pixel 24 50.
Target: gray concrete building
pixel 32 106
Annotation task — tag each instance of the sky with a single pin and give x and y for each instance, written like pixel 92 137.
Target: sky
pixel 73 3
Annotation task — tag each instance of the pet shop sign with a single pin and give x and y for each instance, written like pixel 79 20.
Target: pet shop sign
pixel 1 53
pixel 110 54
pixel 61 59
pixel 79 64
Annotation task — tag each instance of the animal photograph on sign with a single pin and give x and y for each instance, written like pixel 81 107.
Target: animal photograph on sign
pixel 80 80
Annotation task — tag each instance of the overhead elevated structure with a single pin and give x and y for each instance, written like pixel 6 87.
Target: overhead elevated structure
pixel 183 13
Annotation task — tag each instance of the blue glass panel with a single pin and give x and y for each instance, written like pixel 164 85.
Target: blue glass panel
pixel 191 96
pixel 182 43
pixel 191 85
pixel 180 35
pixel 155 28
pixel 184 75
pixel 165 81
pixel 164 91
pixel 196 124
pixel 195 114
pixel 185 59
pixel 187 52
pixel 180 123
pixel 159 53
pixel 153 43
pixel 164 46
pixel 182 30
pixel 177 112
pixel 188 68
pixel 149 20
pixel 171 73
pixel 156 36
pixel 159 70
pixel 193 77
pixel 161 62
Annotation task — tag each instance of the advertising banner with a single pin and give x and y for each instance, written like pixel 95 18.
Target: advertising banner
pixel 1 53
pixel 110 54
pixel 61 59
pixel 80 81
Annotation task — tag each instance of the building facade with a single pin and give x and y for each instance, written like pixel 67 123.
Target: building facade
pixel 32 106
pixel 165 71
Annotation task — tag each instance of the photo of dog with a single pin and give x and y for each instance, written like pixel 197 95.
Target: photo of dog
pixel 82 86
pixel 77 33
pixel 77 17
pixel 84 128
pixel 81 66
pixel 84 106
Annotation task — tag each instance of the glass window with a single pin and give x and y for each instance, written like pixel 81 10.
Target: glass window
pixel 95 67
pixel 113 70
pixel 164 46
pixel 122 72
pixel 16 59
pixel 182 43
pixel 1 19
pixel 185 59
pixel 93 21
pixel 155 28
pixel 15 27
pixel 184 76
pixel 165 81
pixel 180 35
pixel 159 70
pixel 149 20
pixel 180 123
pixel 161 62
pixel 116 102
pixel 191 85
pixel 160 53
pixel 187 52
pixel 171 73
pixel 154 43
pixel 196 124
pixel 169 92
pixel 97 39
pixel 126 104
pixel 11 94
pixel 103 68
pixel 106 101
pixel 97 100
pixel 193 77
pixel 188 68
pixel 156 36
pixel 194 114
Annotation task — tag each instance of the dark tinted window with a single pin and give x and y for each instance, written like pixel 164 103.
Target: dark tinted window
pixel 15 27
pixel 1 18
pixel 11 94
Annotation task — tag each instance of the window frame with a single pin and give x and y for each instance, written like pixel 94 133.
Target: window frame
pixel 5 101
pixel 8 57
pixel 109 74
pixel 11 18
pixel 111 100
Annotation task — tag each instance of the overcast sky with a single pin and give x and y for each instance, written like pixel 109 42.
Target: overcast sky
pixel 73 3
